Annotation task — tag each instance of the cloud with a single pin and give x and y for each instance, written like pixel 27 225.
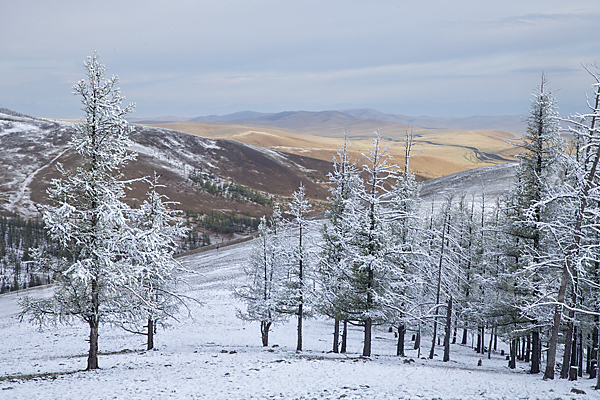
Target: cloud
pixel 181 56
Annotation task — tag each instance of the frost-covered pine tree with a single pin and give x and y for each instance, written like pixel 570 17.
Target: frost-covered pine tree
pixel 532 253
pixel 265 271
pixel 88 217
pixel 149 293
pixel 373 274
pixel 296 295
pixel 345 185
pixel 405 229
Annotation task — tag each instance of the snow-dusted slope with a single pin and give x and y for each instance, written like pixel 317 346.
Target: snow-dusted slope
pixel 214 355
pixel 31 148
pixel 485 184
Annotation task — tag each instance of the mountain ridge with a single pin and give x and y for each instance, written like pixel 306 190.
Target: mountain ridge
pixel 511 123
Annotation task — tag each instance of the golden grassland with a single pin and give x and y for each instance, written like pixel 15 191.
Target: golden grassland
pixel 436 152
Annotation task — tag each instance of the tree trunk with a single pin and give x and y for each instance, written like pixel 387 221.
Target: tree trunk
pixel 580 355
pixel 535 355
pixel 448 330
pixel 564 372
pixel 418 339
pixel 464 336
pixel 491 341
pixel 551 357
pixel 150 344
pixel 94 322
pixel 454 334
pixel 300 315
pixel 482 339
pixel 336 336
pixel 344 336
pixel 594 361
pixel 513 354
pixel 478 347
pixel 573 360
pixel 432 351
pixel 367 344
pixel 264 332
pixel 400 346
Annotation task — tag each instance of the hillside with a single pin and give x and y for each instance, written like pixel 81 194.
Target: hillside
pixel 31 149
pixel 436 152
pixel 215 355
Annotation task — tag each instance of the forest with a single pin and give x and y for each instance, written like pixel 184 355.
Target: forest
pixel 524 269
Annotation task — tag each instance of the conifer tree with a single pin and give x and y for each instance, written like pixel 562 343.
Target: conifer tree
pixel 266 273
pixel 345 185
pixel 149 292
pixel 88 217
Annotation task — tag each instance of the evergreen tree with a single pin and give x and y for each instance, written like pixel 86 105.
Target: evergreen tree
pixel 532 253
pixel 345 185
pixel 266 274
pixel 149 292
pixel 88 217
pixel 296 296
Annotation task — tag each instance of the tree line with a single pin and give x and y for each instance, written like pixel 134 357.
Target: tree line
pixel 524 268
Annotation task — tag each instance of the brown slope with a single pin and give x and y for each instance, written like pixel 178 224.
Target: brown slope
pixel 437 152
pixel 173 155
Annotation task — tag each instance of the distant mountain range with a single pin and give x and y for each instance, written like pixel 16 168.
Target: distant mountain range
pixel 307 121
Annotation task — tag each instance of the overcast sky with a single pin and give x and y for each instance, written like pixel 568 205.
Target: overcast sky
pixel 192 58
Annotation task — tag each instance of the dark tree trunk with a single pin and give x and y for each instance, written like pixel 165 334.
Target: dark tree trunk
pixel 336 336
pixel 367 344
pixel 150 344
pixel 478 347
pixel 454 334
pixel 551 358
pixel 573 361
pixel 482 339
pixel 94 322
pixel 464 336
pixel 301 305
pixel 264 332
pixel 400 346
pixel 344 336
pixel 418 340
pixel 594 361
pixel 432 351
pixel 300 317
pixel 564 371
pixel 512 364
pixel 535 355
pixel 448 330
pixel 491 341
pixel 580 356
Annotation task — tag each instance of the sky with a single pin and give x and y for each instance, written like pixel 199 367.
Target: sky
pixel 192 58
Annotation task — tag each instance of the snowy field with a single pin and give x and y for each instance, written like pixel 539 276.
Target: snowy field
pixel 217 356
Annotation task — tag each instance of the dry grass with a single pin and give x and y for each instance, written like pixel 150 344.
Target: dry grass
pixel 437 152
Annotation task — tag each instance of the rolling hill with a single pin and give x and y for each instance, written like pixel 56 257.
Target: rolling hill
pixel 436 151
pixel 32 148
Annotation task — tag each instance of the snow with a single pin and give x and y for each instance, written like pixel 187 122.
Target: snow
pixel 217 356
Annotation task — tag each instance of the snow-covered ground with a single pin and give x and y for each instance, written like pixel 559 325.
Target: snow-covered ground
pixel 217 356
